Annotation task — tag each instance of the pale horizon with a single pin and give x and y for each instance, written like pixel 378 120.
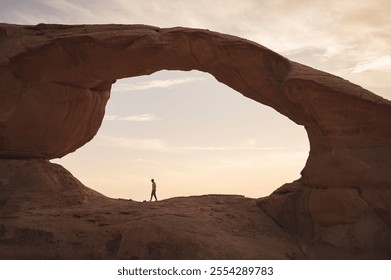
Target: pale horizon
pixel 213 141
pixel 189 132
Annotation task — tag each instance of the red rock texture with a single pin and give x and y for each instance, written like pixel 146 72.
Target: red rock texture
pixel 333 223
pixel 55 81
pixel 48 214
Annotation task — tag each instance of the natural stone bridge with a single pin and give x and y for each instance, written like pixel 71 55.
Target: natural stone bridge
pixel 55 81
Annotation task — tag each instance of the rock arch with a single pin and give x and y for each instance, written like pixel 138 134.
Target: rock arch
pixel 55 81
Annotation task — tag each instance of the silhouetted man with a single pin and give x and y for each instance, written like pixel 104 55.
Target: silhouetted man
pixel 153 193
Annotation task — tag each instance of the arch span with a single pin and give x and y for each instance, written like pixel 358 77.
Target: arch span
pixel 55 81
pixel 58 86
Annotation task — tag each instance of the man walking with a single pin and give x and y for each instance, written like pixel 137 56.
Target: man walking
pixel 153 193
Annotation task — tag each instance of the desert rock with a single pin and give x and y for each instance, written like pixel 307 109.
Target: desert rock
pixel 55 81
pixel 48 214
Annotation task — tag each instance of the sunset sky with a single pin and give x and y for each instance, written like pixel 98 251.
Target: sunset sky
pixel 194 135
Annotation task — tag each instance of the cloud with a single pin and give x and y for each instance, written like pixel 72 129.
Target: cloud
pixel 124 87
pixel 160 146
pixel 144 161
pixel 249 145
pixel 132 144
pixel 132 118
pixel 229 148
pixel 379 63
pixel 70 7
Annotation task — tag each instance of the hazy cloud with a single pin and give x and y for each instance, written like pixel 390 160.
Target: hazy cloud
pixel 249 145
pixel 378 63
pixel 161 146
pixel 229 148
pixel 124 87
pixel 132 118
pixel 132 144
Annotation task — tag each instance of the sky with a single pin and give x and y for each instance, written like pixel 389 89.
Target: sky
pixel 194 135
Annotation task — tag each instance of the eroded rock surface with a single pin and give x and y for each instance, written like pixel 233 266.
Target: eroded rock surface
pixel 47 214
pixel 35 183
pixel 55 81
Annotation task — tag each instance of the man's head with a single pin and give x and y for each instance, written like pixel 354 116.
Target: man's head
pixel 152 180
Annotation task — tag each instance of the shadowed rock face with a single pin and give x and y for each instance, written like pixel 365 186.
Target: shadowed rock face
pixel 48 214
pixel 55 81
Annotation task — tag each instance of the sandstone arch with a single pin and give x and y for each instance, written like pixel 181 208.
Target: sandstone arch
pixel 55 81
pixel 43 66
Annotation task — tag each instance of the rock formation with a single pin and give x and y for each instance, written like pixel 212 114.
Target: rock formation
pixel 52 216
pixel 55 81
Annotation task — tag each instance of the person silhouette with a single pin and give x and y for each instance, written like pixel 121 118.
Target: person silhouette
pixel 153 193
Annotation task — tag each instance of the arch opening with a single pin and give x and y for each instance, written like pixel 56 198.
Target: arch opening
pixel 194 135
